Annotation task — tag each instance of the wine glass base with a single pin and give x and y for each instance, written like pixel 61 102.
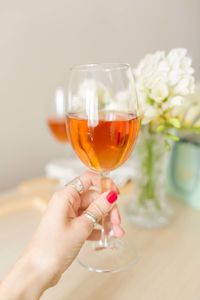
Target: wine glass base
pixel 119 255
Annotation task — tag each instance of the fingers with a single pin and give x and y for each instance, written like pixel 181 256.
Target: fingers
pixel 99 208
pixel 87 198
pixel 68 203
pixel 90 179
pixel 69 192
pixel 115 216
pixel 118 231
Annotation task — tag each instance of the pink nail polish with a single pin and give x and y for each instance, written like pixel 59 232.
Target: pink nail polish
pixel 111 197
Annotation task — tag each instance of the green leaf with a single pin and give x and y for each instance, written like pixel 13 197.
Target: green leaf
pixel 174 122
pixel 173 137
pixel 150 101
pixel 160 128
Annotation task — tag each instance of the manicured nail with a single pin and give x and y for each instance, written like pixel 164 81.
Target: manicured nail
pixel 111 197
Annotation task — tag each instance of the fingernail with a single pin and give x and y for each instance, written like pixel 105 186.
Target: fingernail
pixel 111 197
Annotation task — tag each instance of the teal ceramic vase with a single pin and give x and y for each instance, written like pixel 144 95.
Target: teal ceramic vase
pixel 184 171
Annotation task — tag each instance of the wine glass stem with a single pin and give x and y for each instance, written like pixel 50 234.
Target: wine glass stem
pixel 106 228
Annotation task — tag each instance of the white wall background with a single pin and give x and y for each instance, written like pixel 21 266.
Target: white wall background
pixel 41 39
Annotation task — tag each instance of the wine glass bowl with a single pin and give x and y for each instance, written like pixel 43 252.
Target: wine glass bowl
pixel 103 124
pixel 107 145
pixel 56 117
pixel 57 127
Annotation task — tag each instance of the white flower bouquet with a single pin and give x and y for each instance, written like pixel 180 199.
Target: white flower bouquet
pixel 163 81
pixel 165 87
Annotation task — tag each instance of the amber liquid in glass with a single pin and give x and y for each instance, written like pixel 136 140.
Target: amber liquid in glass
pixel 58 128
pixel 106 143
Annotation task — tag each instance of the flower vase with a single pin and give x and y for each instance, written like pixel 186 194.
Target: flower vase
pixel 149 206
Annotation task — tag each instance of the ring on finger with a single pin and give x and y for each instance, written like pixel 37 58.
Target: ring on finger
pixel 77 185
pixel 91 217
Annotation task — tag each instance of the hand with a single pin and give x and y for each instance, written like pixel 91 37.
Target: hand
pixel 62 232
pixel 64 227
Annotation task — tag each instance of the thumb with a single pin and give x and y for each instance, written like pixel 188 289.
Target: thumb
pixel 99 208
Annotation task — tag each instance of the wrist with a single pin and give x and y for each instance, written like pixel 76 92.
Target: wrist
pixel 29 278
pixel 43 270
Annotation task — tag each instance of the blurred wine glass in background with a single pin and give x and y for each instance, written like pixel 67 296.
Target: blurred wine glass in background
pixel 62 169
pixel 56 117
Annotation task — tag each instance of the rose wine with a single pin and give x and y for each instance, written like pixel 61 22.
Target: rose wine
pixel 58 128
pixel 106 143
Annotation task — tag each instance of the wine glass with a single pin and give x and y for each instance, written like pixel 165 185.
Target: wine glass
pixel 60 168
pixel 103 124
pixel 56 117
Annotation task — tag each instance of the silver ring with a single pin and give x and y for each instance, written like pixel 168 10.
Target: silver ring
pixel 77 185
pixel 91 217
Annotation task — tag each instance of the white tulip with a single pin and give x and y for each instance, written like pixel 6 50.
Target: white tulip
pixel 149 114
pixel 149 64
pixel 173 102
pixel 164 79
pixel 185 86
pixel 159 90
pixel 176 55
